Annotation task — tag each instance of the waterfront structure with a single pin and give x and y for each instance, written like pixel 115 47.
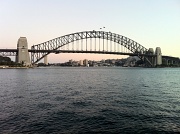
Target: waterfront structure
pixel 23 54
pixel 152 59
pixel 158 54
pixel 156 59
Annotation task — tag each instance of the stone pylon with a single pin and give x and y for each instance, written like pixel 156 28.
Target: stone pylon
pixel 151 59
pixel 159 56
pixel 23 54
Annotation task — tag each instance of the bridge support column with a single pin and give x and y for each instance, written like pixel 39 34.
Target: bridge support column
pixel 23 54
pixel 151 51
pixel 159 56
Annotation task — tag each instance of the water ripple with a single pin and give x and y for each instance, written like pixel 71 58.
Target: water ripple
pixel 90 100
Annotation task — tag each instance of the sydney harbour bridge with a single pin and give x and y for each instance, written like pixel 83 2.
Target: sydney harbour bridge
pixel 97 42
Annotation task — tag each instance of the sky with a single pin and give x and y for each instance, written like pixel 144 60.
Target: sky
pixel 152 23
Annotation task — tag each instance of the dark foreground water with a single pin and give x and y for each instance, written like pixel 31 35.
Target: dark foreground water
pixel 89 100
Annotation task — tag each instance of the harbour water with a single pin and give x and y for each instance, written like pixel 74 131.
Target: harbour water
pixel 89 100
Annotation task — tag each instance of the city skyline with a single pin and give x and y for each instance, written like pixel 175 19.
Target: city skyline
pixel 150 23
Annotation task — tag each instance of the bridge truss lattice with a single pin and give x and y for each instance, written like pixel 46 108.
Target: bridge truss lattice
pixel 88 42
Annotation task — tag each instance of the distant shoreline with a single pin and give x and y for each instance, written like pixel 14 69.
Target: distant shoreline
pixel 7 67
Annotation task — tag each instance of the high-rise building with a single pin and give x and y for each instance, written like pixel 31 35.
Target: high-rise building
pixel 81 62
pixel 45 60
pixel 85 62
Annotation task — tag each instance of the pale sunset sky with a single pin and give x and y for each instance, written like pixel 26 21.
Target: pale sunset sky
pixel 152 23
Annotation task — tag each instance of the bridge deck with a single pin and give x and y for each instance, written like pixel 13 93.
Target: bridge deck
pixel 80 51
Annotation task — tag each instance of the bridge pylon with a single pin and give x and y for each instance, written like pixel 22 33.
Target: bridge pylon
pixel 23 54
pixel 155 59
pixel 158 56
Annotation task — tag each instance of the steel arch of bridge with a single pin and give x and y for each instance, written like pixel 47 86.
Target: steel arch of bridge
pixel 39 51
